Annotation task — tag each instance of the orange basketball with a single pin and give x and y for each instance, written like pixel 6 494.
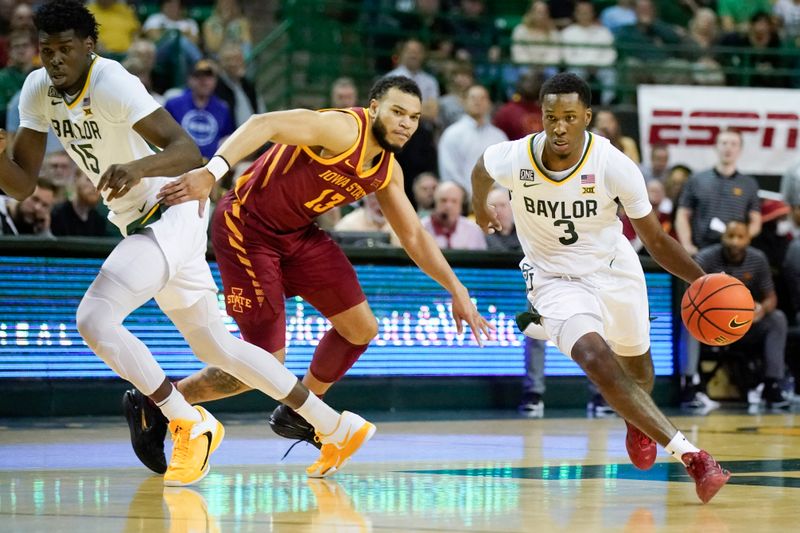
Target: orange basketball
pixel 717 309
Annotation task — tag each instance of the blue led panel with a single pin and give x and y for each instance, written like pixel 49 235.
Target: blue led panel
pixel 39 338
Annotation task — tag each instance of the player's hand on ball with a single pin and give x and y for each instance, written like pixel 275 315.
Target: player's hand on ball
pixel 119 179
pixel 486 218
pixel 464 311
pixel 194 185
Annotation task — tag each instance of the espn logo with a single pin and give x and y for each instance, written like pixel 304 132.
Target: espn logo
pixel 700 128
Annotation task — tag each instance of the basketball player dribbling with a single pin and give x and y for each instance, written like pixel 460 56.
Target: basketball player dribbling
pixel 268 246
pixel 584 278
pixel 105 118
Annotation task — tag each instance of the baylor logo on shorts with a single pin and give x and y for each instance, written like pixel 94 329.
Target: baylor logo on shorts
pixel 238 302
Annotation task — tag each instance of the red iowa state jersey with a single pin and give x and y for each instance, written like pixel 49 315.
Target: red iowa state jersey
pixel 289 186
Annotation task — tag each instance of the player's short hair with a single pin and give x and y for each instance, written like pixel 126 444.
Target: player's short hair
pixel 58 16
pixel 566 83
pixel 401 83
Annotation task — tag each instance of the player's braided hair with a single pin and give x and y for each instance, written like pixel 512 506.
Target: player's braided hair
pixel 57 16
pixel 565 83
pixel 402 83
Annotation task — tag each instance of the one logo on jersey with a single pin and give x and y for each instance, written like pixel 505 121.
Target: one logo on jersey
pixel 52 92
pixel 237 301
pixel 526 174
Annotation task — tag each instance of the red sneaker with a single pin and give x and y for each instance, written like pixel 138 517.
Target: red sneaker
pixel 641 448
pixel 706 472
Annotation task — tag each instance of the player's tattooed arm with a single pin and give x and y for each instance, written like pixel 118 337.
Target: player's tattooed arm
pixel 211 383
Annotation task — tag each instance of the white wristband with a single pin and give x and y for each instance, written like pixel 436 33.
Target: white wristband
pixel 218 167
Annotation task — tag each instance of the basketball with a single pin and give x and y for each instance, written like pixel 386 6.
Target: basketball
pixel 717 309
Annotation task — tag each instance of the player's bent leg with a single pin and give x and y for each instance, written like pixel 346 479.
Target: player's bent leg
pixel 640 368
pixel 641 448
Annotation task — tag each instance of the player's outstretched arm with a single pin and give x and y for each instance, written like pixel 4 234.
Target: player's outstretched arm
pixel 178 154
pixel 664 249
pixel 424 251
pixel 19 171
pixel 482 183
pixel 334 132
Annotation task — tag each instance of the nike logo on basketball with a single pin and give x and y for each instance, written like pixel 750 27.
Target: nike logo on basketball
pixel 736 325
pixel 527 184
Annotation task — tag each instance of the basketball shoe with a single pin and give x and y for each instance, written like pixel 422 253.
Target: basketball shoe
pixel 285 422
pixel 708 475
pixel 192 445
pixel 350 434
pixel 148 428
pixel 641 448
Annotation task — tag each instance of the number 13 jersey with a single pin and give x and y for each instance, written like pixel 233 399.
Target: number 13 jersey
pixel 567 221
pixel 96 127
pixel 289 186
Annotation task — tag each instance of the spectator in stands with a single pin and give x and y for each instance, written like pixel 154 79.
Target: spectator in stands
pixel 505 239
pixel 22 52
pixel 763 55
pixel 704 30
pixel 463 143
pixel 143 52
pixel 234 88
pixel 411 61
pixel 449 228
pixel 736 257
pixel 204 116
pixel 658 167
pixel 647 43
pixel 735 14
pixel 656 195
pixel 451 105
pixel 596 63
pixel 790 185
pixel 118 23
pixel 139 68
pixel 607 125
pixel 31 216
pixel 712 198
pixel 522 115
pixel 677 177
pixel 477 40
pixel 791 272
pixel 59 169
pixel 535 40
pixel 79 216
pixel 428 23
pixel 22 18
pixel 367 217
pixel 619 15
pixel 344 93
pixel 424 193
pixel 170 17
pixel 787 16
pixel 226 25
pixel 773 239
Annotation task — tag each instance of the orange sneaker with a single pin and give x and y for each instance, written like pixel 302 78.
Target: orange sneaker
pixel 337 449
pixel 192 445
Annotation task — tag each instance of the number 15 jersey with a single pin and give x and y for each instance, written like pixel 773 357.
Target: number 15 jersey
pixel 567 221
pixel 96 128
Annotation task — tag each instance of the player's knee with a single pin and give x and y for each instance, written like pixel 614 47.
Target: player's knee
pixel 593 357
pixel 91 320
pixel 363 333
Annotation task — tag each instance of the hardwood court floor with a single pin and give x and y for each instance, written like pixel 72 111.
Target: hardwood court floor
pixel 487 474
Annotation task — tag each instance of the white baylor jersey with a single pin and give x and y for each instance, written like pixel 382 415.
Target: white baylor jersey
pixel 567 221
pixel 96 129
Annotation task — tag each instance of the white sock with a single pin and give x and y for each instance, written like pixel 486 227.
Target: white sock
pixel 319 414
pixel 176 407
pixel 679 445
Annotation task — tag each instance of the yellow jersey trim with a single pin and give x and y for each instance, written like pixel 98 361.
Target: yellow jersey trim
pixel 346 153
pixel 543 172
pixel 79 98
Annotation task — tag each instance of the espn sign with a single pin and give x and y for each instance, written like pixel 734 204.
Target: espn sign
pixel 688 119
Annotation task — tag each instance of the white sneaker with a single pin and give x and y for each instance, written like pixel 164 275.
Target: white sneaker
pixel 754 395
pixel 707 402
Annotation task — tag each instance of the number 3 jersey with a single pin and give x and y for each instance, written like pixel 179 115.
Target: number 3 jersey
pixel 289 186
pixel 567 221
pixel 96 128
